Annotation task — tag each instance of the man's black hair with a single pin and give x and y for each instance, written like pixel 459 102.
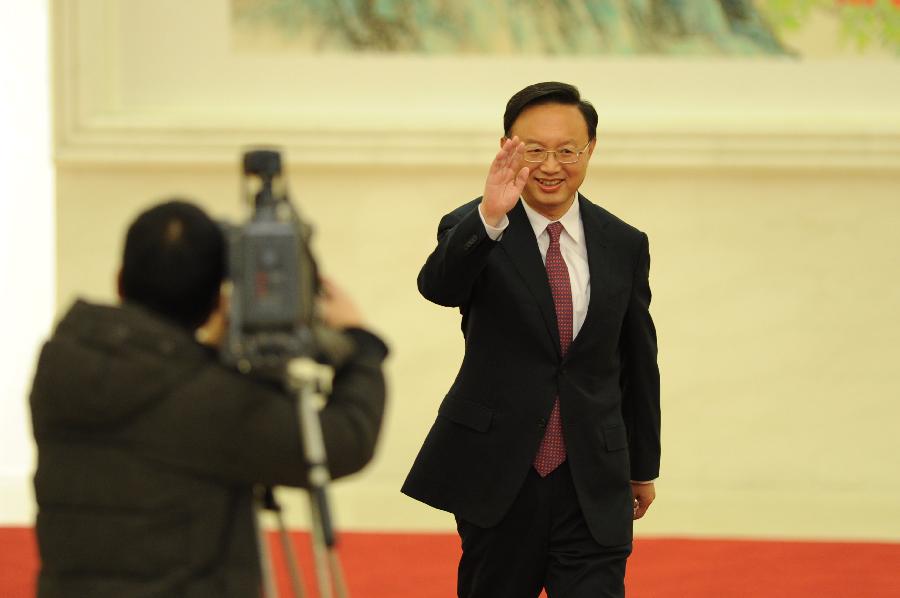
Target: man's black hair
pixel 549 92
pixel 174 263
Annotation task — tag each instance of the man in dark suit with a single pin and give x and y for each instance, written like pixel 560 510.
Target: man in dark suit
pixel 547 444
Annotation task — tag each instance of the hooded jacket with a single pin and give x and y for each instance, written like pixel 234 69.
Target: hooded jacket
pixel 149 449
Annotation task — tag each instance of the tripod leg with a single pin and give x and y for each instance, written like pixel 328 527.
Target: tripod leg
pixel 320 551
pixel 290 556
pixel 270 590
pixel 304 377
pixel 337 572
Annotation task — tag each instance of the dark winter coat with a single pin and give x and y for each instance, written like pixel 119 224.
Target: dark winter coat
pixel 149 448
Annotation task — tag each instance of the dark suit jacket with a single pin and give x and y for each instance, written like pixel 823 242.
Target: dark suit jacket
pixel 484 440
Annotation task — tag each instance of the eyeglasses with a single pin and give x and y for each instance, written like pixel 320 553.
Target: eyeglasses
pixel 565 155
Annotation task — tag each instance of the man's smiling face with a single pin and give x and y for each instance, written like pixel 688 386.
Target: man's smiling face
pixel 551 186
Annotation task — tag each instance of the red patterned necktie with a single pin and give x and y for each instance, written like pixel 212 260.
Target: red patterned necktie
pixel 552 451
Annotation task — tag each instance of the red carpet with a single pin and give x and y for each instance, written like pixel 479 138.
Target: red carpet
pixel 424 566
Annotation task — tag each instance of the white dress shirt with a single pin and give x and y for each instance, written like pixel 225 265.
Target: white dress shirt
pixel 572 247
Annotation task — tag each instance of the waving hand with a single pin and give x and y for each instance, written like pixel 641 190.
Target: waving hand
pixel 504 184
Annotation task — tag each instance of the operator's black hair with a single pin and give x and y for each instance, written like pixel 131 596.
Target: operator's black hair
pixel 549 92
pixel 174 263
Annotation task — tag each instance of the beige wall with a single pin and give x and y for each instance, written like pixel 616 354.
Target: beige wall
pixel 769 193
pixel 773 298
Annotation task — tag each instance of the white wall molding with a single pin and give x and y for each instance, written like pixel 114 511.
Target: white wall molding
pixel 134 144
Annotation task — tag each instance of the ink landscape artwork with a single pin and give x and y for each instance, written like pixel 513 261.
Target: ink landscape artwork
pixel 573 27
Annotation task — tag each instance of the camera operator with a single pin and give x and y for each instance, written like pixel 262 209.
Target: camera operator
pixel 149 448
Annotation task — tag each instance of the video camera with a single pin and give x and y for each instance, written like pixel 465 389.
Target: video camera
pixel 274 276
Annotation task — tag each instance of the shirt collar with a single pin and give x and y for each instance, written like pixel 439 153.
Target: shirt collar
pixel 571 221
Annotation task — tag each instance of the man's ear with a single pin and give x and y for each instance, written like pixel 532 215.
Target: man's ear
pixel 219 301
pixel 217 308
pixel 590 149
pixel 212 332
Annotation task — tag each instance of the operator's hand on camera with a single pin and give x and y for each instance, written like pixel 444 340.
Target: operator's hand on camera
pixel 337 308
pixel 504 183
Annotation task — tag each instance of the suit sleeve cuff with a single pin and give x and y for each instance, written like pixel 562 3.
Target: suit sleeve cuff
pixel 493 232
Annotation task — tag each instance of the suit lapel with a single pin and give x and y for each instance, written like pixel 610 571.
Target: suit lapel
pixel 594 223
pixel 521 246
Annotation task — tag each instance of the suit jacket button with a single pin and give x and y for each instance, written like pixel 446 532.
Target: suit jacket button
pixel 542 423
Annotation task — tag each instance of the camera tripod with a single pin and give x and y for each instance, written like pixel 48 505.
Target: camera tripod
pixel 310 382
